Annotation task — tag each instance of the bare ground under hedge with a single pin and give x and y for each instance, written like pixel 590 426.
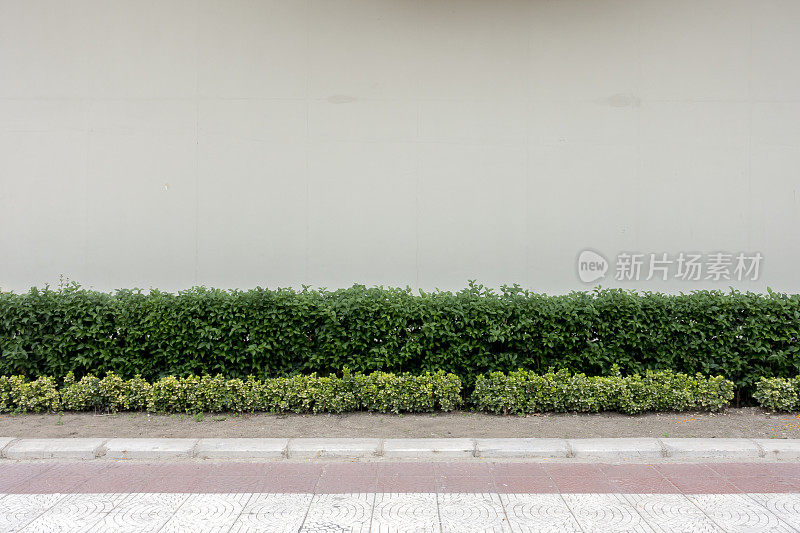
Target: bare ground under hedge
pixel 743 422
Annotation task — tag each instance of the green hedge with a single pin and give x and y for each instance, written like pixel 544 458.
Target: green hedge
pixel 270 333
pixel 516 392
pixel 379 391
pixel 778 394
pixel 523 392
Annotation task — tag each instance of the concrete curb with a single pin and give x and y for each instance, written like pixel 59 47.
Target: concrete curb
pixel 522 448
pixel 54 449
pixel 428 448
pixel 151 448
pixel 617 449
pixel 332 448
pixel 599 450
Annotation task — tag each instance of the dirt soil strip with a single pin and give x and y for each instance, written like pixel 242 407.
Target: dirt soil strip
pixel 745 422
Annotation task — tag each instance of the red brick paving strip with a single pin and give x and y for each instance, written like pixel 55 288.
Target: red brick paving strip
pixel 332 478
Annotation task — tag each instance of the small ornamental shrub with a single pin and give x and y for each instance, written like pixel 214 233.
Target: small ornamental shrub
pixel 523 392
pixel 90 393
pixel 516 392
pixel 379 391
pixel 18 395
pixel 778 394
pixel 393 393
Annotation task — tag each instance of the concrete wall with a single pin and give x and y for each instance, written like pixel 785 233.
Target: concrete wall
pixel 406 142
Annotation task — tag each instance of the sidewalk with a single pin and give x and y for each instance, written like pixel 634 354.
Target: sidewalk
pixel 387 485
pixel 390 496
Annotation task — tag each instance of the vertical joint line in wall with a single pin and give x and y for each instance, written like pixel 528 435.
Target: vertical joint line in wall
pixel 417 192
pixel 197 191
pixel 750 106
pixel 197 143
pixel 307 247
pixel 86 151
pixel 529 112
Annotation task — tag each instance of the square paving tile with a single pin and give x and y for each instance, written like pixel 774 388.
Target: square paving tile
pixel 406 469
pixel 18 510
pixel 273 513
pixel 405 512
pixel 76 512
pixel 462 469
pixel 345 485
pixel 465 484
pixel 519 469
pixel 671 512
pixel 524 484
pixel 339 512
pixel 762 484
pixel 398 484
pixel 605 512
pixel 738 513
pixel 468 512
pixel 141 512
pixel 784 506
pixel 300 483
pixel 207 512
pixel 531 513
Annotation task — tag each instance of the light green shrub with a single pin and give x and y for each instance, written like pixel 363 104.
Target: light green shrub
pixel 517 392
pixel 137 394
pixel 18 395
pixel 778 394
pixel 524 391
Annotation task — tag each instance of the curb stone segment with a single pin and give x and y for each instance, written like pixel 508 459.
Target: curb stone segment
pixel 243 448
pixel 4 442
pixel 618 448
pixel 780 448
pixel 428 448
pixel 339 448
pixel 522 448
pixel 55 449
pixel 150 448
pixel 687 448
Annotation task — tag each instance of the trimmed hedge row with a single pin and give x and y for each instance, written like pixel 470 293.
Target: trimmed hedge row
pixel 378 391
pixel 527 392
pixel 269 333
pixel 517 392
pixel 778 394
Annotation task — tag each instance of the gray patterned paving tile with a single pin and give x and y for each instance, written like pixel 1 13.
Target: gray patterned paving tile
pixel 18 510
pixel 339 512
pixel 273 513
pixel 417 512
pixel 738 513
pixel 405 512
pixel 207 512
pixel 605 513
pixel 672 512
pixel 471 512
pixel 538 512
pixel 75 512
pixel 785 506
pixel 141 512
